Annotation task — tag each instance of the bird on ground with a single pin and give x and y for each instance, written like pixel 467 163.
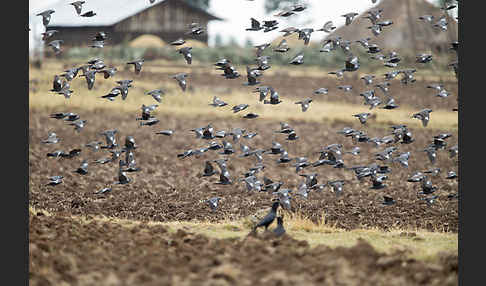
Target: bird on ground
pixel 274 98
pixel 165 132
pixel 213 203
pixel 269 218
pixel 337 186
pixel 282 47
pixel 279 230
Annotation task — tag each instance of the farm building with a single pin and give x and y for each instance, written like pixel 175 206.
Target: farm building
pixel 407 33
pixel 123 20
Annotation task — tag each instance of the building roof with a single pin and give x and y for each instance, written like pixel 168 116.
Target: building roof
pixel 108 12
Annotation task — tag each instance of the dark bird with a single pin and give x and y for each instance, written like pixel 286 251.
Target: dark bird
pixel 149 122
pixel 388 201
pixel 345 88
pixel 255 25
pixel 304 104
pixel 137 64
pixel 208 169
pixel 165 132
pixel 269 218
pixel 451 175
pixel 430 200
pixel 181 79
pixel 78 5
pixel 46 16
pixel 270 25
pixel 453 151
pixel 338 73
pixel 337 186
pixel 90 78
pixel 289 31
pixel 427 187
pixel 368 79
pixel 424 58
pixel 274 97
pixel 250 115
pixel 56 154
pixel 88 14
pixel 100 36
pixel 279 230
pixel 186 52
pixel 251 75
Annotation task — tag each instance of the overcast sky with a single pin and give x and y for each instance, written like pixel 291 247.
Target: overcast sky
pixel 237 14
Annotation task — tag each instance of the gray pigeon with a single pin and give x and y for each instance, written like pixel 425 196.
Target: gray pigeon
pixel 156 94
pixel 282 47
pixel 137 64
pixel 55 180
pixel 297 60
pixel 78 124
pixel 51 138
pixel 328 27
pixel 217 102
pixel 349 17
pixel 181 79
pixel 83 169
pixel 46 16
pixel 56 46
pixel 362 117
pixel 213 203
pixel 240 107
pixel 304 104
pixel 165 132
pixel 186 52
pixel 423 115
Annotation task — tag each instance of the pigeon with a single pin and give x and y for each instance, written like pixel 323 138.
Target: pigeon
pixel 431 154
pixel 239 107
pixel 349 17
pixel 279 230
pixel 345 88
pixel 388 201
pixel 46 16
pixel 251 75
pixel 217 102
pixel 137 64
pixel 55 180
pixel 261 48
pixel 100 36
pixel 402 159
pixel 97 44
pixel 181 79
pixel 56 46
pixel 424 58
pixel 362 117
pixel 453 151
pixel 90 78
pixel 390 104
pixel 274 98
pixel 282 47
pixel 427 18
pixel 213 203
pixel 177 42
pixel 270 25
pixel 156 94
pixel 94 145
pixel 289 31
pixel 269 218
pixel 103 191
pixel 427 187
pixel 297 60
pixel 83 169
pixel 304 104
pixel 285 13
pixel 377 181
pixel 338 73
pixel 208 169
pixel 250 115
pixel 110 72
pixel 150 122
pixel 78 124
pixel 451 175
pixel 441 24
pixel 51 138
pixel 56 154
pixel 186 52
pixel 123 179
pixel 305 34
pixel 373 49
pixel 423 115
pixel 48 34
pixel 255 25
pixel 88 14
pixel 337 186
pixel 165 132
pixel 416 177
pixel 321 90
pixel 430 200
pixel 328 27
pixel 224 177
pixel 368 79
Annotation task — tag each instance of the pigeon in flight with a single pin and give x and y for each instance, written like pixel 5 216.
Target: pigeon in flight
pixel 88 14
pixel 217 102
pixel 109 72
pixel 83 169
pixel 78 5
pixel 304 104
pixel 48 34
pixel 156 94
pixel 178 42
pixel 103 191
pixel 239 107
pixel 282 47
pixel 424 58
pixel 46 16
pixel 55 180
pixel 186 52
pixel 362 117
pixel 349 17
pixel 321 90
pixel 90 78
pixel 289 31
pixel 255 25
pixel 328 27
pixel 51 138
pixel 78 124
pixel 137 64
pixel 423 115
pixel 368 79
pixel 181 79
pixel 298 59
pixel 56 46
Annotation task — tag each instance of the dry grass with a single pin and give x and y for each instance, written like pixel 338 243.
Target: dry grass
pixel 196 104
pixel 418 244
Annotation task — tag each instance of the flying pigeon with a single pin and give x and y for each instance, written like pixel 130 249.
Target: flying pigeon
pixel 137 64
pixel 181 79
pixel 349 17
pixel 88 14
pixel 78 5
pixel 186 52
pixel 423 115
pixel 304 104
pixel 46 16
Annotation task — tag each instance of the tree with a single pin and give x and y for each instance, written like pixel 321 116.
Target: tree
pixel 203 4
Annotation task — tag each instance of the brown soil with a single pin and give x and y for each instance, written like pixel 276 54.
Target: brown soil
pixel 65 251
pixel 169 188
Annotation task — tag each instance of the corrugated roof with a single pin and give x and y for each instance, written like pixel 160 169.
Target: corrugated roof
pixel 108 12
